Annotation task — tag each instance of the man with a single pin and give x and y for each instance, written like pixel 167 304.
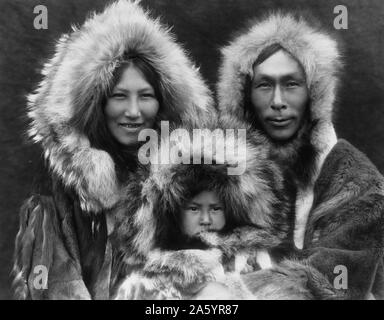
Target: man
pixel 280 76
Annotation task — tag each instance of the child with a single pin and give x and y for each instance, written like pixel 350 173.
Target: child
pixel 195 224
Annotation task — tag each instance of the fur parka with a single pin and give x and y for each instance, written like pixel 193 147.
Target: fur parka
pixel 82 180
pixel 77 78
pixel 152 256
pixel 339 203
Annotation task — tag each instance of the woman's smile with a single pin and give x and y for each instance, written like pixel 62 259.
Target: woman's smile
pixel 131 127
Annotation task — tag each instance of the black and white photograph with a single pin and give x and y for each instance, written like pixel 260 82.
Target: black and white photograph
pixel 192 150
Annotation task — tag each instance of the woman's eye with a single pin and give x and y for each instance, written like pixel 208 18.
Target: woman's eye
pixel 148 95
pixel 193 209
pixel 118 95
pixel 217 208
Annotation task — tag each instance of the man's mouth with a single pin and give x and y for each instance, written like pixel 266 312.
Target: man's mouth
pixel 280 122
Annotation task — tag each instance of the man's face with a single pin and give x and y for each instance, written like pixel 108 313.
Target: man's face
pixel 279 95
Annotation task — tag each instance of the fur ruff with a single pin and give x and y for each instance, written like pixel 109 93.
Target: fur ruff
pixel 319 56
pixel 316 51
pixel 79 74
pixel 257 200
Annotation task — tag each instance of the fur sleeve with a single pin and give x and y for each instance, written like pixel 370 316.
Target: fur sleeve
pixel 40 247
pixel 246 238
pixel 171 274
pixel 185 267
pixel 31 222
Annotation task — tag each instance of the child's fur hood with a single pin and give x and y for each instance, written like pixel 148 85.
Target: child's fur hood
pixel 79 74
pixel 316 51
pixel 258 197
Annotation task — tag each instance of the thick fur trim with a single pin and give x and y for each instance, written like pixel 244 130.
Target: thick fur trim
pixel 77 78
pixel 315 50
pixel 146 230
pixel 319 56
pixel 291 280
pixel 257 197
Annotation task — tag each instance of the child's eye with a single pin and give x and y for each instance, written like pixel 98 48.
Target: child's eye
pixel 217 208
pixel 193 209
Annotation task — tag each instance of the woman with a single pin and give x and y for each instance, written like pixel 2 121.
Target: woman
pixel 281 76
pixel 121 72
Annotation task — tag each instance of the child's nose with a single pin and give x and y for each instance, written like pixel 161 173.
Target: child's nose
pixel 205 217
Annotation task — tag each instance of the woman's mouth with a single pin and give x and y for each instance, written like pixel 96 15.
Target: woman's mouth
pixel 131 126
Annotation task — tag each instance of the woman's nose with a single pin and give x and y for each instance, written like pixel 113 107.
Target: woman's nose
pixel 132 109
pixel 278 101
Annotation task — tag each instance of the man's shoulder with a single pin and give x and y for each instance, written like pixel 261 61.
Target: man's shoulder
pixel 349 154
pixel 346 160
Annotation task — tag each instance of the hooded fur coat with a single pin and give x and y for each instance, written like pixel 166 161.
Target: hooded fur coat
pixel 62 227
pixel 340 198
pixel 152 255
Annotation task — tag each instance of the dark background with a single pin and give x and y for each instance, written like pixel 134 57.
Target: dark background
pixel 202 26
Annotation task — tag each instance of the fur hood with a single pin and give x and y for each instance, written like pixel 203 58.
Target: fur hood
pixel 257 198
pixel 76 79
pixel 319 56
pixel 316 51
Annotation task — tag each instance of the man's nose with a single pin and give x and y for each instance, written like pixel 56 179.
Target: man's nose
pixel 132 109
pixel 278 102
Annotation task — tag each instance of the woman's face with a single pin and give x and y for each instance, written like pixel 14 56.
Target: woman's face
pixel 279 95
pixel 131 107
pixel 204 212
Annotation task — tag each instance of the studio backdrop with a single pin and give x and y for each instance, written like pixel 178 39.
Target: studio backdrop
pixel 27 38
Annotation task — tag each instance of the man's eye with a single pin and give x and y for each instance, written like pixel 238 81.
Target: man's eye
pixel 263 85
pixel 292 84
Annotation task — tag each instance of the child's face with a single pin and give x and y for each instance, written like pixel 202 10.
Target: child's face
pixel 204 212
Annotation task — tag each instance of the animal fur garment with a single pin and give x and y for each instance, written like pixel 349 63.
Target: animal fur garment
pixel 148 231
pixel 76 79
pixel 59 228
pixel 340 196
